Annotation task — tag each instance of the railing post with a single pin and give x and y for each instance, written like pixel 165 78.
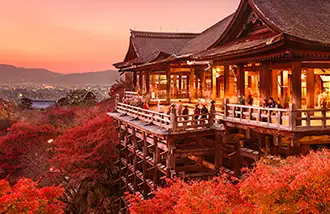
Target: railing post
pixel 173 117
pixel 212 113
pixel 116 102
pixel 292 116
pixel 324 118
pixel 226 101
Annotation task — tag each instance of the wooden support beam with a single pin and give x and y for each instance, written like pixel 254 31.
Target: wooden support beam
pixel 140 82
pixel 226 80
pixel 203 162
pixel 296 84
pixel 214 83
pixel 170 160
pixel 147 76
pixel 192 83
pixel 265 81
pixel 156 157
pixel 135 159
pixel 218 151
pixel 237 160
pixel 310 88
pixel 168 87
pixel 274 85
pixel 203 83
pixel 145 154
pixel 241 80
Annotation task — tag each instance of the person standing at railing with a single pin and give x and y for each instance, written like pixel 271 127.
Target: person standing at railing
pixel 272 103
pixel 145 105
pixel 179 107
pixel 249 100
pixel 185 113
pixel 204 112
pixel 197 113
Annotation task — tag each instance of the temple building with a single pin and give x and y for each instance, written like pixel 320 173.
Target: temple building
pixel 266 49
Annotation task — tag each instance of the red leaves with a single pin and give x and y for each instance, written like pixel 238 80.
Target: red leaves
pixel 294 185
pixel 26 197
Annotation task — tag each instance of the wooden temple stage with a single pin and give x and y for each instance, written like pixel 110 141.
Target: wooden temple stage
pixel 154 146
pixel 275 48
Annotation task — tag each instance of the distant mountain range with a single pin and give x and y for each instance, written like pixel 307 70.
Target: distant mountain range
pixel 13 75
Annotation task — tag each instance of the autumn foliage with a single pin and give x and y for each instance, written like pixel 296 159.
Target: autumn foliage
pixel 26 197
pixel 294 185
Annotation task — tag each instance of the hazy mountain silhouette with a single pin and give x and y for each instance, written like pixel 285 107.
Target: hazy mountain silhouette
pixel 13 75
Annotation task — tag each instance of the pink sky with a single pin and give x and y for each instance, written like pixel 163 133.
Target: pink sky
pixel 90 35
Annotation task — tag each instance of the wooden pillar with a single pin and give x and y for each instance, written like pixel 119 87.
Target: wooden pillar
pixel 265 81
pixel 147 76
pixel 135 158
pixel 226 80
pixel 237 160
pixel 274 85
pixel 310 89
pixel 218 151
pixel 203 83
pixel 296 84
pixel 168 87
pixel 156 157
pixel 214 83
pixel 191 83
pixel 180 83
pixel 135 80
pixel 140 82
pixel 241 80
pixel 170 160
pixel 175 86
pixel 196 86
pixel 145 154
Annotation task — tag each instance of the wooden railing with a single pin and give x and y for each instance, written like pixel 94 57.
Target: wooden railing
pixel 291 119
pixel 131 94
pixel 312 119
pixel 257 116
pixel 151 117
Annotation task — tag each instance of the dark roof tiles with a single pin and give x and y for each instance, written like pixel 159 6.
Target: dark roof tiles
pixel 305 19
pixel 207 38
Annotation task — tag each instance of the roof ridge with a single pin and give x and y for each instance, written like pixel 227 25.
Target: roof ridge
pixel 136 33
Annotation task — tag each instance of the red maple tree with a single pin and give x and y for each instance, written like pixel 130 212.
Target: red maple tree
pixel 26 197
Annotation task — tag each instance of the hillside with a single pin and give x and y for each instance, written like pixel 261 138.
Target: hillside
pixel 13 75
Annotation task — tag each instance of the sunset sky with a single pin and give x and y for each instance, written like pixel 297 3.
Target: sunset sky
pixel 89 35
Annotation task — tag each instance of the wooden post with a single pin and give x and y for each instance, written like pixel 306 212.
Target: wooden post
pixel 225 107
pixel 296 84
pixel 265 81
pixel 140 82
pixel 203 83
pixel 180 83
pixel 168 87
pixel 134 80
pixel 175 86
pixel 156 157
pixel 274 85
pixel 173 117
pixel 226 82
pixel 241 80
pixel 292 116
pixel 310 89
pixel 147 76
pixel 170 161
pixel 192 83
pixel 135 158
pixel 218 151
pixel 145 153
pixel 237 160
pixel 214 83
pixel 116 102
pixel 212 113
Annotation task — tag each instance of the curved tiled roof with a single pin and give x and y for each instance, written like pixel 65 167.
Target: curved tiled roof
pixel 305 19
pixel 207 38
